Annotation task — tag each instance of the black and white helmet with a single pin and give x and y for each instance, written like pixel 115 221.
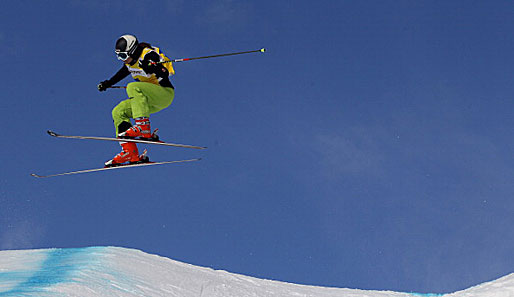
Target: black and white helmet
pixel 125 46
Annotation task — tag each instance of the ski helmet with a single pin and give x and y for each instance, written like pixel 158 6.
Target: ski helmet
pixel 125 46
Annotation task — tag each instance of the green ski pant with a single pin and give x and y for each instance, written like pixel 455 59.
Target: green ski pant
pixel 145 99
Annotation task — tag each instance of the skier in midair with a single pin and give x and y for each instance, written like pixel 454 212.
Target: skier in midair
pixel 151 93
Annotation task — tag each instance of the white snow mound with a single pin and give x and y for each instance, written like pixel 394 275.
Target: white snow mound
pixel 113 271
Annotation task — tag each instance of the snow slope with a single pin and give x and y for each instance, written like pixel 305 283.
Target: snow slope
pixel 112 271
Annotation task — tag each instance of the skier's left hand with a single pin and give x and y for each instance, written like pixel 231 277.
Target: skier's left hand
pixel 149 66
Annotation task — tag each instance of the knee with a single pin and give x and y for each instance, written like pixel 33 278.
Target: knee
pixel 121 112
pixel 116 112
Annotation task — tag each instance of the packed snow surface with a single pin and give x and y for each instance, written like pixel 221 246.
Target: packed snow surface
pixel 112 271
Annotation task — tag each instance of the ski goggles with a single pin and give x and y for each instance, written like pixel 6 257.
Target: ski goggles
pixel 122 55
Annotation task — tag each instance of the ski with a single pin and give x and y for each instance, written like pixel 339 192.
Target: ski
pixel 54 134
pixel 114 167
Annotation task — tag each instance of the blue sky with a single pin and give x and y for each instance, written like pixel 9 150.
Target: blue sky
pixel 370 147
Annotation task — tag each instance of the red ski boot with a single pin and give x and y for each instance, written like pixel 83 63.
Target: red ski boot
pixel 141 129
pixel 129 153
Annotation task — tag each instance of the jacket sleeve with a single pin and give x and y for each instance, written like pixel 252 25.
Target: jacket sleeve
pixel 121 74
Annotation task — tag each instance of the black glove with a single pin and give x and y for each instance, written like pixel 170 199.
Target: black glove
pixel 104 85
pixel 158 69
pixel 150 64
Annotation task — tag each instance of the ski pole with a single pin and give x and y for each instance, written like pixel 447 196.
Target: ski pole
pixel 262 50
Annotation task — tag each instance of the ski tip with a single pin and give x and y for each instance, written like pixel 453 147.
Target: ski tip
pixel 52 133
pixel 35 175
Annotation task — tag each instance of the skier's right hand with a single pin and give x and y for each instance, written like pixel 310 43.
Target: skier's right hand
pixel 103 85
